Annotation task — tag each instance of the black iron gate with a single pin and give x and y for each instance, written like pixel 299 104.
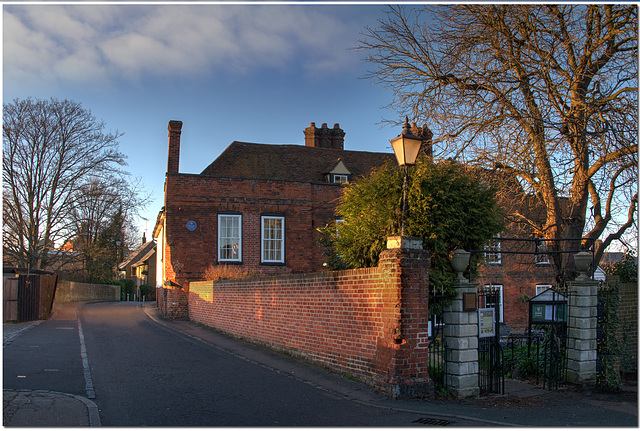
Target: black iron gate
pixel 490 354
pixel 554 357
pixel 541 352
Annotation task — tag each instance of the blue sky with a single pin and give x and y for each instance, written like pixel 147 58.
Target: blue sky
pixel 253 73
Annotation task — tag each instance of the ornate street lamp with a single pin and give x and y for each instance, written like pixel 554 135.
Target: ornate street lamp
pixel 406 147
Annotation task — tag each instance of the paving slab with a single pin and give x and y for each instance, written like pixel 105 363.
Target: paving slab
pixel 34 409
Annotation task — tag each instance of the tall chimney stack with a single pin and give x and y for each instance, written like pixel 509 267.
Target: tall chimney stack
pixel 324 137
pixel 173 161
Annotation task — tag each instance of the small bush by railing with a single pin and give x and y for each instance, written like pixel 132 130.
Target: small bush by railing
pixel 540 355
pixel 521 356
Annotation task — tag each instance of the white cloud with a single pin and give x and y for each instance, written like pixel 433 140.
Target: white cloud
pixel 101 44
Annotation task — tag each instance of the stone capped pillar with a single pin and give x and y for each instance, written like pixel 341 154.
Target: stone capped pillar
pixel 461 339
pixel 402 350
pixel 582 321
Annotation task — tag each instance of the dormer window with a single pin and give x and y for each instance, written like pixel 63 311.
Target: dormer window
pixel 337 173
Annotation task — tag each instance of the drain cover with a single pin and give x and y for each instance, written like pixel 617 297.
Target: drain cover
pixel 433 421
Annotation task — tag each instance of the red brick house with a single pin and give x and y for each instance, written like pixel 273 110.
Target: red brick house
pixel 256 205
pixel 259 206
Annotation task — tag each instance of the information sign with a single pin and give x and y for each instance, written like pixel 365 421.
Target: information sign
pixel 487 322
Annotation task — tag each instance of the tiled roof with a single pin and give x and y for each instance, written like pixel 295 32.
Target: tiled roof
pixel 290 162
pixel 144 251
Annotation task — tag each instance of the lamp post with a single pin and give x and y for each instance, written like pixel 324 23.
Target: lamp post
pixel 406 147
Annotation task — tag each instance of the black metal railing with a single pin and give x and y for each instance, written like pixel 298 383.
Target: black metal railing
pixel 490 366
pixel 490 353
pixel 436 356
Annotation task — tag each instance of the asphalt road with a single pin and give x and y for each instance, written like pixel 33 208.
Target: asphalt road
pixel 143 374
pixel 46 359
pixel 143 370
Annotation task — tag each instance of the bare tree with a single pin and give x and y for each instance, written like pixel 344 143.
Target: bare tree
pixel 101 224
pixel 547 93
pixel 51 149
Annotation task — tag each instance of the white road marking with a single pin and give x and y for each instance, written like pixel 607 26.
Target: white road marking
pixel 91 394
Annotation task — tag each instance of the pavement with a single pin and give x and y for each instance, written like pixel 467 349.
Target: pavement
pixel 522 404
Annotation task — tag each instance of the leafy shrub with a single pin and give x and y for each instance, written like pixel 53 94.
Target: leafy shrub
pixel 523 359
pixel 448 206
pixel 126 286
pixel 627 269
pixel 228 272
pixel 145 290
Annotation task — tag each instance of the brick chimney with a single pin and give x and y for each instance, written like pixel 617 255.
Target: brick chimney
pixel 324 137
pixel 173 161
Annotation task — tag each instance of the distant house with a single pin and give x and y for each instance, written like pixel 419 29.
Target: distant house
pixel 140 265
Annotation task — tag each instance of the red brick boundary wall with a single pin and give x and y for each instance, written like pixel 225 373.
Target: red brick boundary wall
pixel 368 323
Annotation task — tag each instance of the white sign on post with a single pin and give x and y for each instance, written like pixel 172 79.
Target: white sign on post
pixel 486 322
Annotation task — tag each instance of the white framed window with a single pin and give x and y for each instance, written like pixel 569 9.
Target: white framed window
pixel 493 251
pixel 272 239
pixel 340 178
pixel 541 288
pixel 494 298
pixel 541 257
pixel 230 237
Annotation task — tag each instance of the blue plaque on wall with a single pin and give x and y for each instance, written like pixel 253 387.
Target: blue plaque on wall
pixel 191 225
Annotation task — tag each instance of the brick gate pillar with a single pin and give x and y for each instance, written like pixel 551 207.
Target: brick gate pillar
pixel 461 337
pixel 582 321
pixel 402 351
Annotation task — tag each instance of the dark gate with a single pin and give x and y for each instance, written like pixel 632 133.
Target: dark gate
pixel 36 290
pixel 28 297
pixel 490 354
pixel 548 314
